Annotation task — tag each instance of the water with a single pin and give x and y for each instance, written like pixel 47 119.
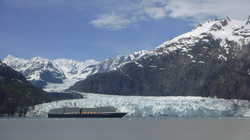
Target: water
pixel 124 129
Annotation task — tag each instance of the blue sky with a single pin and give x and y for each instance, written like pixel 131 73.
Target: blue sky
pixel 99 29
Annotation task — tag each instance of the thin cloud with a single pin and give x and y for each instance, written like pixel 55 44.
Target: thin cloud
pixel 194 10
pixel 202 9
pixel 111 22
pixel 155 12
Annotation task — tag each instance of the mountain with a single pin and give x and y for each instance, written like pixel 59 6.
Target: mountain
pixel 211 60
pixel 16 93
pixel 42 72
pixel 37 70
pixel 60 74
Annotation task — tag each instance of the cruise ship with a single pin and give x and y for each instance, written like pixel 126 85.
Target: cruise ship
pixel 100 112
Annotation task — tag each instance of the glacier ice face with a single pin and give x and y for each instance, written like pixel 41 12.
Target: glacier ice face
pixel 138 107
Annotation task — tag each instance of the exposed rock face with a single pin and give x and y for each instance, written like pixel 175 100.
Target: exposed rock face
pixel 16 93
pixel 211 60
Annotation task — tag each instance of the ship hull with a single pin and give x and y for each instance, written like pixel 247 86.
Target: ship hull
pixel 88 115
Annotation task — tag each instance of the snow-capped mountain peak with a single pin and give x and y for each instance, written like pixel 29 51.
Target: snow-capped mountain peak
pixel 39 59
pixel 224 29
pixel 73 69
pixel 42 71
pixel 62 73
pixel 207 61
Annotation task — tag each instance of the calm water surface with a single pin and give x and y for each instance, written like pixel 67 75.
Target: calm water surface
pixel 124 129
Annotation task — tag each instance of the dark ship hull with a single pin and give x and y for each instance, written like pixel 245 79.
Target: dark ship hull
pixel 89 115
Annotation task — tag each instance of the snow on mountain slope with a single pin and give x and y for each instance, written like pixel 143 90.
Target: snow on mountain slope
pixel 118 61
pixel 154 106
pixel 226 30
pixel 214 52
pixel 60 74
pixel 50 71
pixel 74 69
pixel 35 68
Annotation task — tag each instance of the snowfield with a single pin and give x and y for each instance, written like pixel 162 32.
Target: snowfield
pixel 138 107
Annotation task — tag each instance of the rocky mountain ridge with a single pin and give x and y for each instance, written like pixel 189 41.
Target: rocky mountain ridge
pixel 214 53
pixel 62 73
pixel 211 60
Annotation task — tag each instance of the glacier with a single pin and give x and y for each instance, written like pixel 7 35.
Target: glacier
pixel 60 87
pixel 155 107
